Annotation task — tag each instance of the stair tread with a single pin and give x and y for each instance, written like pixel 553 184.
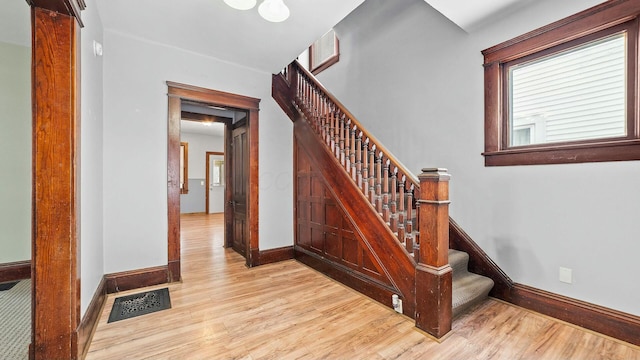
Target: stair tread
pixel 468 288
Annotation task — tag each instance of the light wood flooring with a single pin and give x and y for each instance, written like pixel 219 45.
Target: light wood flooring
pixel 223 310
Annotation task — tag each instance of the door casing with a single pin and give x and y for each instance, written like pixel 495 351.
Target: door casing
pixel 177 93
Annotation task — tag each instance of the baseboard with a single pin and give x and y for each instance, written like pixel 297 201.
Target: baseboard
pixel 617 324
pixel 15 271
pixel 135 279
pixel 89 322
pixel 275 255
pixel 359 282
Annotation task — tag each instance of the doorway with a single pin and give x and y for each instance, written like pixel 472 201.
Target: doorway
pixel 215 180
pixel 179 93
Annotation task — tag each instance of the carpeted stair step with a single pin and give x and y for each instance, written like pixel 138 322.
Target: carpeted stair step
pixel 469 289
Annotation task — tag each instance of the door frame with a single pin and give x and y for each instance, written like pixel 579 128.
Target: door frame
pixel 207 177
pixel 178 92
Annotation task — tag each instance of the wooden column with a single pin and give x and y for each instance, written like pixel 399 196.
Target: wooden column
pixel 55 258
pixel 433 273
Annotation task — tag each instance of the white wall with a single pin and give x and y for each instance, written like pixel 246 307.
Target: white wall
pixel 91 163
pixel 416 81
pixel 199 144
pixel 15 152
pixel 135 147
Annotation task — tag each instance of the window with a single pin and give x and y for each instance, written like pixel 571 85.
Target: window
pixel 218 173
pixel 566 93
pixel 324 52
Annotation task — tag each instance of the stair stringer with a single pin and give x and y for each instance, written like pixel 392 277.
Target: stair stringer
pixel 377 239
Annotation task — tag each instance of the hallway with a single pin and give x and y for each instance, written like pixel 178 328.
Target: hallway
pixel 223 310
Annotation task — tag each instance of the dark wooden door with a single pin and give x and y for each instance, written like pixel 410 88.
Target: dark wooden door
pixel 240 185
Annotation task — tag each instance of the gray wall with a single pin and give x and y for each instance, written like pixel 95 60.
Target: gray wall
pixel 91 159
pixel 135 147
pixel 415 80
pixel 15 152
pixel 194 201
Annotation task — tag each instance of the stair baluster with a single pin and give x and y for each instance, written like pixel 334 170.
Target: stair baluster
pixel 393 222
pixel 378 184
pixel 365 169
pixel 385 192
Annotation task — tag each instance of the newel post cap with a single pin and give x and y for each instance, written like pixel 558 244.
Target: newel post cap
pixel 434 174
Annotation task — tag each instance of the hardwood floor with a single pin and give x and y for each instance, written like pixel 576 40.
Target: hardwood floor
pixel 223 310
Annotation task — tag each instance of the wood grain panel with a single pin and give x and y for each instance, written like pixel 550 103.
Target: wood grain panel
pixel 15 271
pixel 55 198
pixel 276 255
pixel 330 236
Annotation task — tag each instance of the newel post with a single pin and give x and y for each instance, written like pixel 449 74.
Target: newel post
pixel 433 273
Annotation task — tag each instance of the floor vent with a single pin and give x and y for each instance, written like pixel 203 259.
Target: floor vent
pixel 129 306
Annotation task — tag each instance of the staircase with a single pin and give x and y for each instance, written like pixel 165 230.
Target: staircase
pixel 469 289
pixel 364 219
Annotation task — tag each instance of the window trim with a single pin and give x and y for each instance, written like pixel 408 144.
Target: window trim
pixel 583 27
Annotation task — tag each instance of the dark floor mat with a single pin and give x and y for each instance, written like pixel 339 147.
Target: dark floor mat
pixel 8 286
pixel 129 306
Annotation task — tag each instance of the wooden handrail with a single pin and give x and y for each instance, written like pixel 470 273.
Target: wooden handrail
pixel 397 163
pixel 414 209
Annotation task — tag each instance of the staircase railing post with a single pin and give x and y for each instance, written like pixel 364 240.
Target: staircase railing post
pixel 293 80
pixel 433 273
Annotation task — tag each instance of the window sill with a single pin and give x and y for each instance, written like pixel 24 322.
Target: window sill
pixel 567 154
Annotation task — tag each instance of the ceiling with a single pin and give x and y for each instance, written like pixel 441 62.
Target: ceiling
pixel 468 14
pixel 212 28
pixel 196 127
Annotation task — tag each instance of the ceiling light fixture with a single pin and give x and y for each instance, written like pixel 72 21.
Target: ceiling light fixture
pixel 241 4
pixel 273 10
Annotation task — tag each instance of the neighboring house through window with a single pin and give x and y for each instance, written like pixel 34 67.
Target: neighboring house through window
pixel 566 92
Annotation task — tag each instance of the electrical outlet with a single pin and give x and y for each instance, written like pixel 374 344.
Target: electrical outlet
pixel 397 303
pixel 566 275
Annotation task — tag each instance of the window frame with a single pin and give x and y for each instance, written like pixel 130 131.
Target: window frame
pixel 594 23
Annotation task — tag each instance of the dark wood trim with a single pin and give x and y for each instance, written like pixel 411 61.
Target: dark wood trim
pixel 254 188
pixel 399 267
pixel 314 68
pixel 173 188
pixel 625 150
pixel 355 280
pixel 617 324
pixel 15 271
pixel 479 261
pixel 185 166
pixel 55 258
pixel 66 7
pixel 280 92
pixel 596 22
pixel 135 279
pixel 178 92
pixel 90 319
pixel 207 179
pixel 191 116
pixel 212 97
pixel 582 23
pixel 276 255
